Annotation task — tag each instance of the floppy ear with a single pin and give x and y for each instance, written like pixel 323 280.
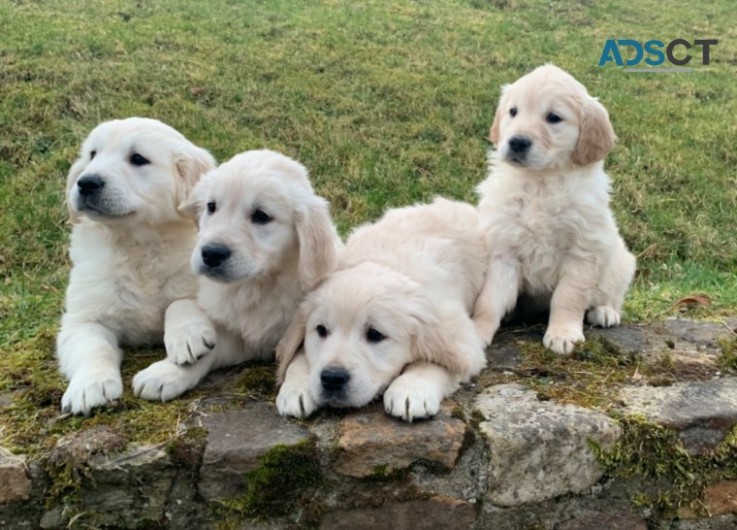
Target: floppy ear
pixel 596 135
pixel 74 172
pixel 318 242
pixel 292 340
pixel 446 337
pixel 191 162
pixel 494 133
pixel 191 205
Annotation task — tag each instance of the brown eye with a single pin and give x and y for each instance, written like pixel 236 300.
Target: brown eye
pixel 322 331
pixel 513 112
pixel 139 160
pixel 211 207
pixel 553 118
pixel 374 335
pixel 260 217
pixel 92 154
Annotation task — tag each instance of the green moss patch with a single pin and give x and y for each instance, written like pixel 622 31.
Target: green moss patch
pixel 286 474
pixel 671 477
pixel 728 359
pixel 589 377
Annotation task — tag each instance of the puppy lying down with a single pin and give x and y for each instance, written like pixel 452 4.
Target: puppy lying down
pixel 394 317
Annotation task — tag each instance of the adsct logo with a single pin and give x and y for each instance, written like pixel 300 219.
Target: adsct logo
pixel 677 52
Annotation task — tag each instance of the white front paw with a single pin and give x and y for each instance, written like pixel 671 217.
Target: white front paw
pixel 91 388
pixel 562 340
pixel 295 399
pixel 410 398
pixel 163 381
pixel 186 344
pixel 603 316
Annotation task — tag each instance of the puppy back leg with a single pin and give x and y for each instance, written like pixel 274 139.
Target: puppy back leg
pixel 609 298
pixel 89 357
pixel 498 296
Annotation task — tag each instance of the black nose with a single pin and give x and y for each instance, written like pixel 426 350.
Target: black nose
pixel 215 254
pixel 519 144
pixel 334 379
pixel 90 184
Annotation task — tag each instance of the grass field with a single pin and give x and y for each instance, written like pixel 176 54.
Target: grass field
pixel 387 103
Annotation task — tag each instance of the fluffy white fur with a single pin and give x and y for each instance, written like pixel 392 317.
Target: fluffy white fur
pixel 545 210
pixel 394 317
pixel 259 207
pixel 129 249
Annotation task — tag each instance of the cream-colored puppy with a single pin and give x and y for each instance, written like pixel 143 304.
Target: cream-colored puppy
pixel 129 249
pixel 394 317
pixel 265 239
pixel 545 210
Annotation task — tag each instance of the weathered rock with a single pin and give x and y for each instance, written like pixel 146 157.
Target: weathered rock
pixel 236 440
pixel 15 484
pixel 608 521
pixel 539 450
pixel 437 512
pixel 627 339
pixel 469 478
pixel 696 332
pixel 77 448
pixel 719 522
pixel 721 498
pixel 128 488
pixel 701 412
pixel 372 443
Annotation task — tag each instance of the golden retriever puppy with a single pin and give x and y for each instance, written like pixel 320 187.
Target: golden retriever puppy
pixel 545 210
pixel 129 250
pixel 265 239
pixel 394 317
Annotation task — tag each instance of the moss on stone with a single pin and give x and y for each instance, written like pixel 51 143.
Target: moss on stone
pixel 187 449
pixel 728 358
pixel 258 381
pixel 589 377
pixel 671 477
pixel 286 473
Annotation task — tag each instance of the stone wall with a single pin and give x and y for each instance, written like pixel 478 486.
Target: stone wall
pixel 535 443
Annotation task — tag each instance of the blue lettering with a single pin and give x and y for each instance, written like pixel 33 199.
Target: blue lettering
pixel 655 48
pixel 610 53
pixel 638 50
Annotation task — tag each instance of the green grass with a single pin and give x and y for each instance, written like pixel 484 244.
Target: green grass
pixel 386 103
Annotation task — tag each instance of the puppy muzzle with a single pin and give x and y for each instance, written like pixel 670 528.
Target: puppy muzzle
pixel 519 149
pixel 334 382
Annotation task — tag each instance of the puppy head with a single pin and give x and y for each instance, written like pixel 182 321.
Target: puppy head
pixel 547 120
pixel 134 170
pixel 258 215
pixel 359 329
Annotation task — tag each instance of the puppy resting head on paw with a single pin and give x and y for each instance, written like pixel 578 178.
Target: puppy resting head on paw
pixel 360 329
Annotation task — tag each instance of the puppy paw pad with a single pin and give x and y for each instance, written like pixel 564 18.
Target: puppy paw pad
pixel 187 345
pixel 562 342
pixel 603 316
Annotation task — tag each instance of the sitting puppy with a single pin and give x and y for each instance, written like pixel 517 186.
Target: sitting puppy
pixel 545 211
pixel 129 248
pixel 393 318
pixel 265 239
